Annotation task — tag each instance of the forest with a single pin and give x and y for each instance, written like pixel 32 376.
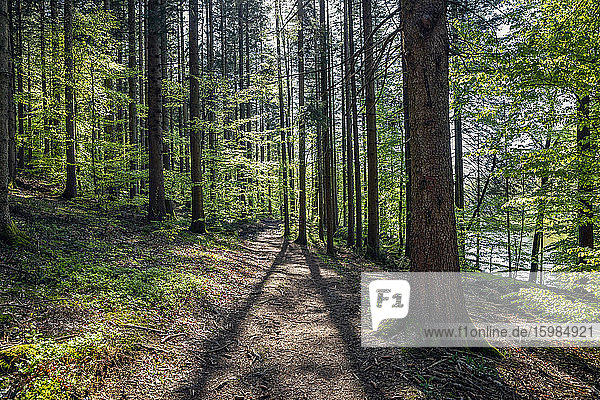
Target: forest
pixel 190 190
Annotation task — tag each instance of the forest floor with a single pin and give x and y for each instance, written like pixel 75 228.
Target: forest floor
pixel 107 306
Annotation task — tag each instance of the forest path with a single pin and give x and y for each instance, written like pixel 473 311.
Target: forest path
pixel 291 331
pixel 291 339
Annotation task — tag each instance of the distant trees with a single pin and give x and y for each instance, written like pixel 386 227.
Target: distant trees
pixel 209 118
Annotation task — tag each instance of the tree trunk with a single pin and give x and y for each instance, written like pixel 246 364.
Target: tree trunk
pixel 538 236
pixel 432 231
pixel 585 183
pixel 325 136
pixel 43 75
pixel 156 183
pixel 302 237
pixel 5 104
pixel 198 223
pixel 56 90
pixel 432 234
pixel 71 184
pixel 132 112
pixel 165 120
pixel 349 129
pixel 354 98
pixel 284 166
pixel 373 190
pixel 19 60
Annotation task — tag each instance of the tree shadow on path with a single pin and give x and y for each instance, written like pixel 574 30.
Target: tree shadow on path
pixel 225 337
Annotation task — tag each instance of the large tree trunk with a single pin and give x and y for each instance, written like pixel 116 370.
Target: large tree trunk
pixel 432 230
pixel 156 182
pixel 5 104
pixel 356 148
pixel 348 134
pixel 71 184
pixel 585 183
pixel 432 233
pixel 56 90
pixel 165 119
pixel 133 136
pixel 43 75
pixel 302 237
pixel 373 190
pixel 284 166
pixel 19 60
pixel 198 224
pixel 325 136
pixel 12 118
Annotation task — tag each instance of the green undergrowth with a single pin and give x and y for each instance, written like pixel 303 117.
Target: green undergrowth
pixel 98 271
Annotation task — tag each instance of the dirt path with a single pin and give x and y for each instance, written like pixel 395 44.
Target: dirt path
pixel 293 333
pixel 287 345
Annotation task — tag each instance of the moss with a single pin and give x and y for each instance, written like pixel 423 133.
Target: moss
pixel 12 235
pixel 9 358
pixel 44 389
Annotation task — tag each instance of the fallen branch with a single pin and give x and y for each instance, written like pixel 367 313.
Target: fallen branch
pixel 14 305
pixel 173 336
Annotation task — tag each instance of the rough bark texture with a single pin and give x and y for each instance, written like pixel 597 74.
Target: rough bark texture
pixel 198 224
pixel 284 166
pixel 71 184
pixel 327 145
pixel 373 190
pixel 432 241
pixel 354 97
pixel 156 183
pixel 302 237
pixel 5 89
pixel 432 231
pixel 133 135
pixel 349 131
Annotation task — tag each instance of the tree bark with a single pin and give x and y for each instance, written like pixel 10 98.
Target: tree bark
pixel 284 166
pixel 132 112
pixel 156 183
pixel 198 223
pixel 356 147
pixel 71 183
pixel 5 104
pixel 432 234
pixel 585 228
pixel 373 190
pixel 302 237
pixel 432 231
pixel 325 135
pixel 349 129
